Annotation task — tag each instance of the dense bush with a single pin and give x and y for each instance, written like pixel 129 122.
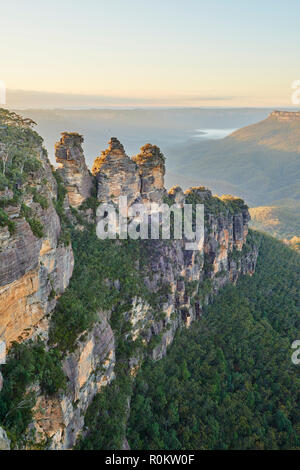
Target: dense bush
pixel 36 227
pixel 27 364
pixel 5 221
pixel 98 264
pixel 65 234
pixel 19 148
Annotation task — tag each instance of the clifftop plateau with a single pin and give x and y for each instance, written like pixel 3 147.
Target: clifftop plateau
pixel 285 116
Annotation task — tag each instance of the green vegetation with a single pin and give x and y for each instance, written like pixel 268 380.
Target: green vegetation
pixel 18 149
pixel 228 382
pixel 92 202
pixel 27 364
pixel 40 199
pixel 107 417
pixel 281 220
pixel 214 204
pixel 109 261
pixel 26 211
pixel 260 163
pixel 5 221
pixel 65 234
pixel 98 263
pixel 36 227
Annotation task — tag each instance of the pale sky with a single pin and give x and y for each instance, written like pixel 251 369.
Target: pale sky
pixel 152 52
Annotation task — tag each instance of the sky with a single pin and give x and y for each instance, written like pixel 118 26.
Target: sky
pixel 149 52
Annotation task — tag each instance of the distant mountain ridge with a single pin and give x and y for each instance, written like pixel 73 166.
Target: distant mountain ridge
pixel 260 162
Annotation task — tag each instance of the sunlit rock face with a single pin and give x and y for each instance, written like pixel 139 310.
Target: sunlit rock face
pixel 34 270
pixel 117 175
pixel 151 164
pixel 72 168
pixel 88 369
pixel 30 268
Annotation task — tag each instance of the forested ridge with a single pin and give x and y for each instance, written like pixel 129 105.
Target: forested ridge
pixel 229 382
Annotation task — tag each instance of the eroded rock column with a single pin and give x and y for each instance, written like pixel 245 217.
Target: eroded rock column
pixel 72 168
pixel 117 175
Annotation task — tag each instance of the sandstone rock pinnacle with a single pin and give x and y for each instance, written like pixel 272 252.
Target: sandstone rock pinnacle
pixel 72 167
pixel 117 175
pixel 151 163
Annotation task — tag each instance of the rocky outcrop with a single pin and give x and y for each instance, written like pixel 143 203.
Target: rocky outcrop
pixel 88 369
pixel 285 116
pixel 116 174
pixel 151 164
pixel 177 195
pixel 181 283
pixel 35 267
pixel 193 278
pixel 72 168
pixel 141 178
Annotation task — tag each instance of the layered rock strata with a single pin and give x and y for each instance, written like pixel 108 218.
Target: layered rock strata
pixel 35 267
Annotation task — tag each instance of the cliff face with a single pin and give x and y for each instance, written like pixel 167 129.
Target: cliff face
pixel 193 277
pixel 35 270
pixel 88 369
pixel 35 267
pixel 72 168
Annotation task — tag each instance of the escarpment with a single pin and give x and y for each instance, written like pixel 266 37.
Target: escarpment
pixel 35 266
pixel 126 298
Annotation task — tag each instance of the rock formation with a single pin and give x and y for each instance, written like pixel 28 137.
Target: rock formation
pixel 88 369
pixel 151 164
pixel 116 174
pixel 285 116
pixel 177 195
pixel 35 270
pixel 72 168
